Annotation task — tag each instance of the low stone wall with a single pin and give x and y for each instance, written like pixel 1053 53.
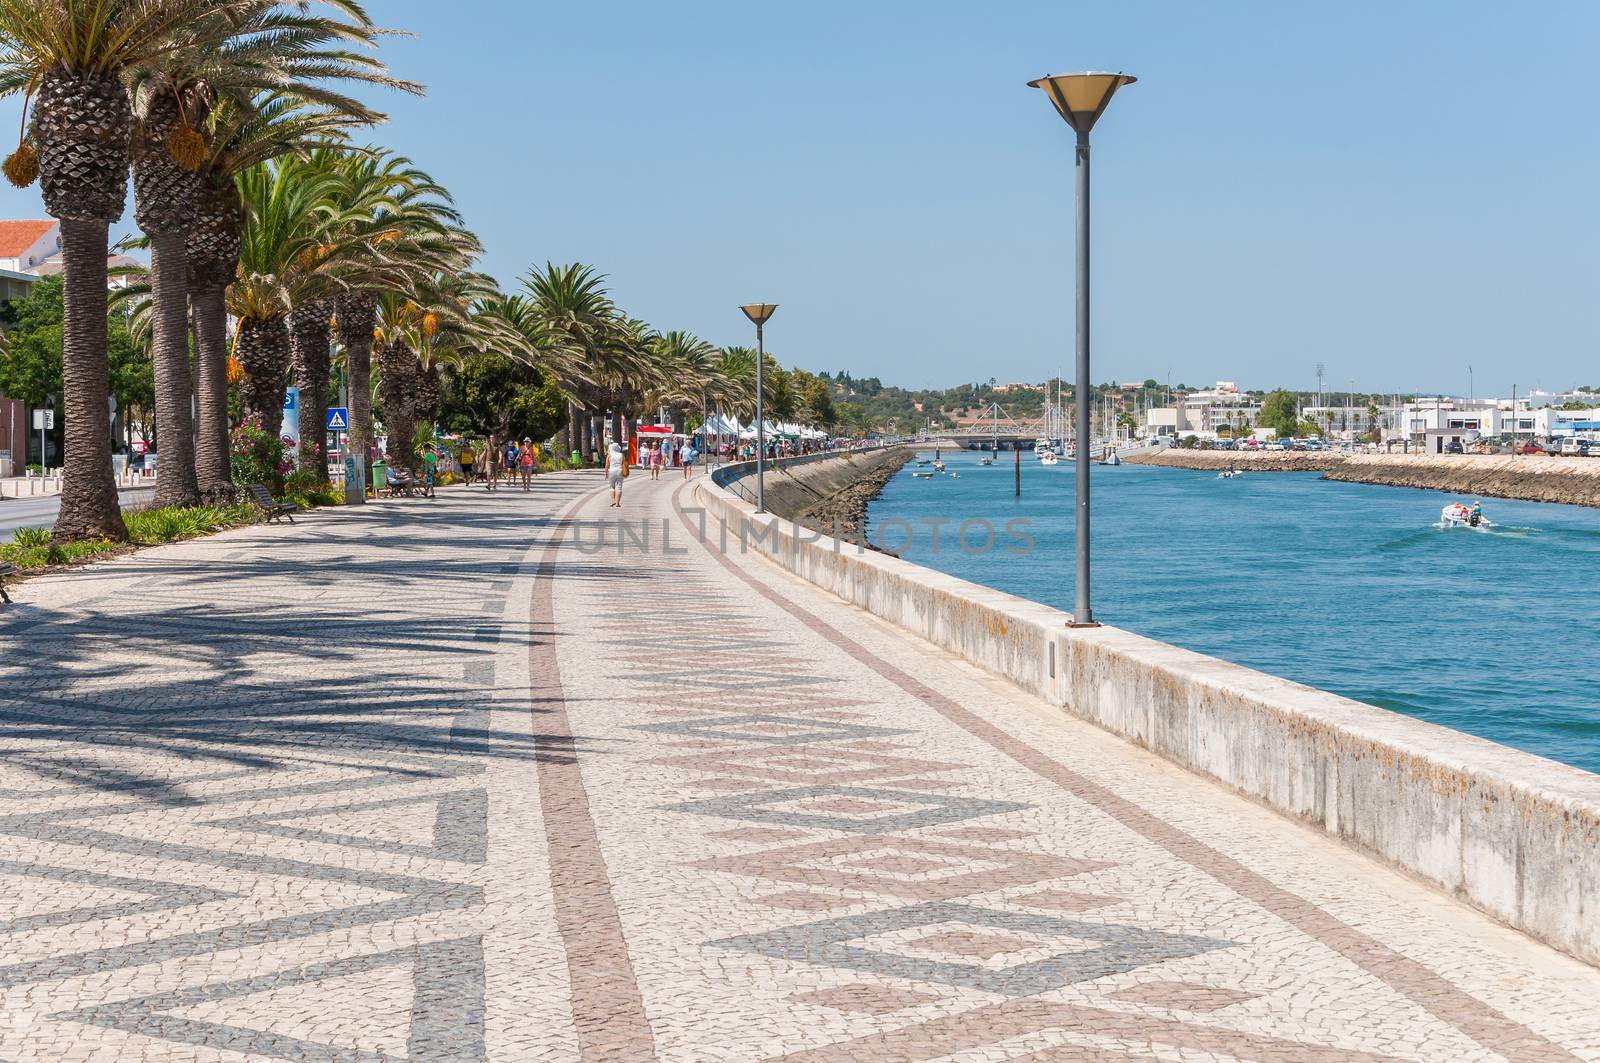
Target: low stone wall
pixel 1512 834
pixel 1533 477
pixel 1254 460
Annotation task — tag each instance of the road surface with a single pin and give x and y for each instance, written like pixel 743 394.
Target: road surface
pixel 40 512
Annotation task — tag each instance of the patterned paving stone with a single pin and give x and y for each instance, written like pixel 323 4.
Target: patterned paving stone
pixel 416 781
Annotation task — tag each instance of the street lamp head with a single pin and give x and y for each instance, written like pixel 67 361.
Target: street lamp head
pixel 759 312
pixel 1081 98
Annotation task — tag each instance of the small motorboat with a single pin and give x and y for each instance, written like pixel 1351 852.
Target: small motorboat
pixel 1048 458
pixel 923 475
pixel 1111 458
pixel 938 466
pixel 1456 515
pixel 1230 474
pixel 985 461
pixel 923 461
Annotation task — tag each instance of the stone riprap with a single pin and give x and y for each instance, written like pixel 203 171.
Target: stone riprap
pixel 1532 477
pixel 1514 834
pixel 1253 460
pixel 520 777
pixel 827 492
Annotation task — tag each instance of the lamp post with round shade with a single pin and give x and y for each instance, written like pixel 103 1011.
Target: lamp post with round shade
pixel 759 313
pixel 1081 99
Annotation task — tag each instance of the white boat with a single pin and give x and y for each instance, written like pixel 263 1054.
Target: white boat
pixel 1456 515
pixel 1111 458
pixel 985 461
pixel 938 466
pixel 1048 458
pixel 923 475
pixel 1230 474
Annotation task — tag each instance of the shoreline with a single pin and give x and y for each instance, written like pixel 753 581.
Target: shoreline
pixel 843 514
pixel 1526 478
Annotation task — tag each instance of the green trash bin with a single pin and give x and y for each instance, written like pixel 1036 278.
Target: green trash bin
pixel 380 476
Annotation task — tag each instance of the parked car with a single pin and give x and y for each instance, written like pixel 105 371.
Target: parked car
pixel 1575 447
pixel 1454 447
pixel 1530 448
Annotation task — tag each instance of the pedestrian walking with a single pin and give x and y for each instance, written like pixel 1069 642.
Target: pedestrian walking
pixel 655 461
pixel 687 455
pixel 616 470
pixel 525 463
pixel 508 468
pixel 466 461
pixel 430 466
pixel 491 455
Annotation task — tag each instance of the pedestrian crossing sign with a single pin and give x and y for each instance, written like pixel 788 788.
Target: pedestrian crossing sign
pixel 338 419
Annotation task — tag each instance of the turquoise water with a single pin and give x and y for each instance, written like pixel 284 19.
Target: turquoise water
pixel 1346 587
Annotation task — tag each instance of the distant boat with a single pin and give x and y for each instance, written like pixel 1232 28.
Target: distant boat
pixel 1048 458
pixel 1230 474
pixel 985 461
pixel 1111 458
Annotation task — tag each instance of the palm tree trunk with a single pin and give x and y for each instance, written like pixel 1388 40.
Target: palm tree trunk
pixel 263 352
pixel 397 391
pixel 310 338
pixel 212 466
pixel 176 480
pixel 89 494
pixel 357 314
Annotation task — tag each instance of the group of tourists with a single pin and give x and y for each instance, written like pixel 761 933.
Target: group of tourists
pixel 492 461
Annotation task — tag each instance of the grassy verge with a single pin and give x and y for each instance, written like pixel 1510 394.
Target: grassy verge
pixel 31 548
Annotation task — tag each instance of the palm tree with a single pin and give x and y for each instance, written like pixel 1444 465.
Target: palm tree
pixel 247 48
pixel 398 224
pixel 239 138
pixel 280 251
pixel 568 309
pixel 72 55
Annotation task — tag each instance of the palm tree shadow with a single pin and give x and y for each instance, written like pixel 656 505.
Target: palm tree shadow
pixel 273 664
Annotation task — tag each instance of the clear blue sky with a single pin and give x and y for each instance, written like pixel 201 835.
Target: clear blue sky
pixel 1397 190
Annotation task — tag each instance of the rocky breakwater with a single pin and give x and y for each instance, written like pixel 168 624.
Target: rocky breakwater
pixel 1530 477
pixel 1254 460
pixel 829 494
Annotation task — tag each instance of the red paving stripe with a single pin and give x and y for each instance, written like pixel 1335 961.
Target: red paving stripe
pixel 1440 997
pixel 607 1008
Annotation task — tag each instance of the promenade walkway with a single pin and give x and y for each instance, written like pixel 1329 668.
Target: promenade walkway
pixel 459 779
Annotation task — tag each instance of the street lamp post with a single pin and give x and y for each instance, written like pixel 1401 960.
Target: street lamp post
pixel 759 313
pixel 1081 99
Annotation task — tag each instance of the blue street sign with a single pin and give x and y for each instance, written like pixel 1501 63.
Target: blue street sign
pixel 338 419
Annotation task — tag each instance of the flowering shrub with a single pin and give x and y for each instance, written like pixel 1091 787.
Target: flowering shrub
pixel 256 456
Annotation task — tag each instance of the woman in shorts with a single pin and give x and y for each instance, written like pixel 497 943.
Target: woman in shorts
pixel 614 473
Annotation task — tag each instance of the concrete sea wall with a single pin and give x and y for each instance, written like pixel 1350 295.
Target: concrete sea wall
pixel 1514 835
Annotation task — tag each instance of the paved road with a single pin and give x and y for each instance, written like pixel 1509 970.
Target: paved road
pixel 40 512
pixel 452 780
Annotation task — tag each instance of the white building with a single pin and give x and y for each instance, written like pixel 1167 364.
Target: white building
pixel 25 244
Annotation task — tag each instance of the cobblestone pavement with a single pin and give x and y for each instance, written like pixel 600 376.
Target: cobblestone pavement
pixel 455 780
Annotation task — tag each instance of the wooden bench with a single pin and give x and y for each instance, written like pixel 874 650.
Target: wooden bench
pixel 6 570
pixel 405 483
pixel 272 509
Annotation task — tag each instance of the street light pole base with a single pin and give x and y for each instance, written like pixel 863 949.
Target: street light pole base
pixel 1083 623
